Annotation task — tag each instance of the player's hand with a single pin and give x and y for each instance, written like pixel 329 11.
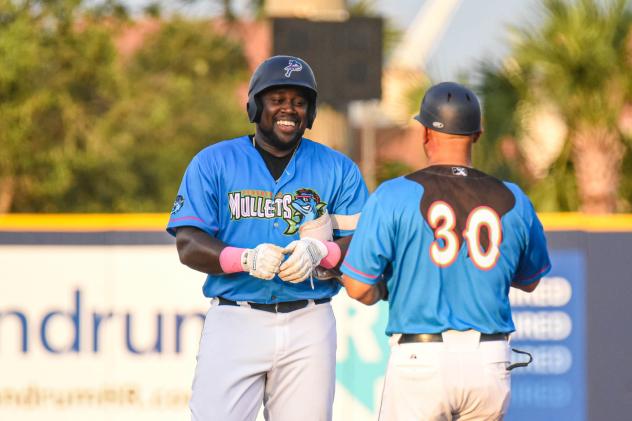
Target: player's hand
pixel 305 255
pixel 263 261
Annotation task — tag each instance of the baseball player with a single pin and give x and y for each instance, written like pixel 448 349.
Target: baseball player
pixel 445 244
pixel 258 214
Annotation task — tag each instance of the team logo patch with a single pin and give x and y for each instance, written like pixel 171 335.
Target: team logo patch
pixel 177 204
pixel 459 171
pixel 306 207
pixel 295 209
pixel 293 66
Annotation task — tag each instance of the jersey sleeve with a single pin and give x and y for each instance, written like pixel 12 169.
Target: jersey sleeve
pixel 372 246
pixel 534 261
pixel 353 196
pixel 196 204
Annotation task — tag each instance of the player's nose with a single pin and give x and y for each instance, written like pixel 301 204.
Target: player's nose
pixel 288 106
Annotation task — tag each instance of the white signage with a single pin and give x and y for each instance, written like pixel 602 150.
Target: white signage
pixel 111 333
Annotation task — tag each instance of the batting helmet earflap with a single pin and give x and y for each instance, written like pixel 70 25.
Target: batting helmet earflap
pixel 450 108
pixel 282 71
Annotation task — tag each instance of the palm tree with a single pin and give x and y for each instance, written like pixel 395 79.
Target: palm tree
pixel 578 61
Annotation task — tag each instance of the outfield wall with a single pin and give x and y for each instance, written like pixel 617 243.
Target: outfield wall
pixel 99 320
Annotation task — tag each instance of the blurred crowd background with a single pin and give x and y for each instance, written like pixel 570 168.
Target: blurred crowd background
pixel 103 103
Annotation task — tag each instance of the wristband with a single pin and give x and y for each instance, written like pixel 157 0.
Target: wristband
pixel 230 259
pixel 333 255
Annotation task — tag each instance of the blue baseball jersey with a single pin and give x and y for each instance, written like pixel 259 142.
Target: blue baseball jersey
pixel 448 241
pixel 228 192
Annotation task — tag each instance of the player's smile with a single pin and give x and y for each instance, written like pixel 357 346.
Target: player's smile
pixel 287 125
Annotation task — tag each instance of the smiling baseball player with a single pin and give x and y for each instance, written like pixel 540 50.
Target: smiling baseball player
pixel 258 214
pixel 449 241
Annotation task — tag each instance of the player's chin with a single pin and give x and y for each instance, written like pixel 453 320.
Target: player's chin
pixel 289 138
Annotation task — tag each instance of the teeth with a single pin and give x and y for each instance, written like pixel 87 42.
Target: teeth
pixel 286 123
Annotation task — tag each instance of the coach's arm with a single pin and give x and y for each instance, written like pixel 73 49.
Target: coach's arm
pixel 526 288
pixel 368 294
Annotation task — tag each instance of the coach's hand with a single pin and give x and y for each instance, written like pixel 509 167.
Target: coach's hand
pixel 306 254
pixel 263 261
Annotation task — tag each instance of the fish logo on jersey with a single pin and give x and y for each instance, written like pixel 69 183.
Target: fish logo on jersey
pixel 306 207
pixel 293 66
pixel 177 204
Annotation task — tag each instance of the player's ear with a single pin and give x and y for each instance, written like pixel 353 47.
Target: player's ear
pixel 426 135
pixel 476 136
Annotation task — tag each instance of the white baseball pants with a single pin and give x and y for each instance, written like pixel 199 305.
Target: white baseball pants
pixel 458 379
pixel 247 357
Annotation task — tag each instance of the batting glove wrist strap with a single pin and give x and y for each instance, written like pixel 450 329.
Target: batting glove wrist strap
pixel 305 255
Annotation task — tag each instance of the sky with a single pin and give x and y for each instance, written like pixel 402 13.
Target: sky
pixel 476 32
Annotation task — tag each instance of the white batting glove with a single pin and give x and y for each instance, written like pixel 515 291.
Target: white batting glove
pixel 306 254
pixel 263 261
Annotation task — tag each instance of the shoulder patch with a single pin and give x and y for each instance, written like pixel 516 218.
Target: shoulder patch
pixel 177 204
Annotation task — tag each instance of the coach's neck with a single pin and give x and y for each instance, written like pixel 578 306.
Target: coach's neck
pixel 448 149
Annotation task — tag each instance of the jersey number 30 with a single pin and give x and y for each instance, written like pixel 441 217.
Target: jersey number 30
pixel 443 221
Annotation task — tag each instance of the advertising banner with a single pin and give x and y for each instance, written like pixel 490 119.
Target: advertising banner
pixel 104 325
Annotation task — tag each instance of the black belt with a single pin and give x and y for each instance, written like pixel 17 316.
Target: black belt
pixel 436 337
pixel 284 307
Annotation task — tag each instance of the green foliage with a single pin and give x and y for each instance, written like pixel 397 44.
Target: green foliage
pixel 182 97
pixel 576 58
pixel 81 129
pixel 387 170
pixel 55 81
pixel 496 152
pixel 626 184
pixel 558 191
pixel 414 94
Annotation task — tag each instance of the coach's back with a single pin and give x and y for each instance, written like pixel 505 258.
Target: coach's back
pixel 452 250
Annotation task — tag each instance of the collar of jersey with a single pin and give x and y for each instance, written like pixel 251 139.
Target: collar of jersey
pixel 290 169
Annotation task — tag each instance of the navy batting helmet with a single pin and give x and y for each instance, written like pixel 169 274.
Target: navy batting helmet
pixel 450 108
pixel 281 71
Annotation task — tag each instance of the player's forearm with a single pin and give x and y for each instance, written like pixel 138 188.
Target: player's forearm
pixel 365 293
pixel 199 250
pixel 370 297
pixel 343 243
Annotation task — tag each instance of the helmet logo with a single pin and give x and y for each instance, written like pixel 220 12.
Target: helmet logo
pixel 437 124
pixel 293 66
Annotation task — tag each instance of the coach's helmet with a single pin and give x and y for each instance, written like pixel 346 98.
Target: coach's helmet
pixel 282 71
pixel 450 108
